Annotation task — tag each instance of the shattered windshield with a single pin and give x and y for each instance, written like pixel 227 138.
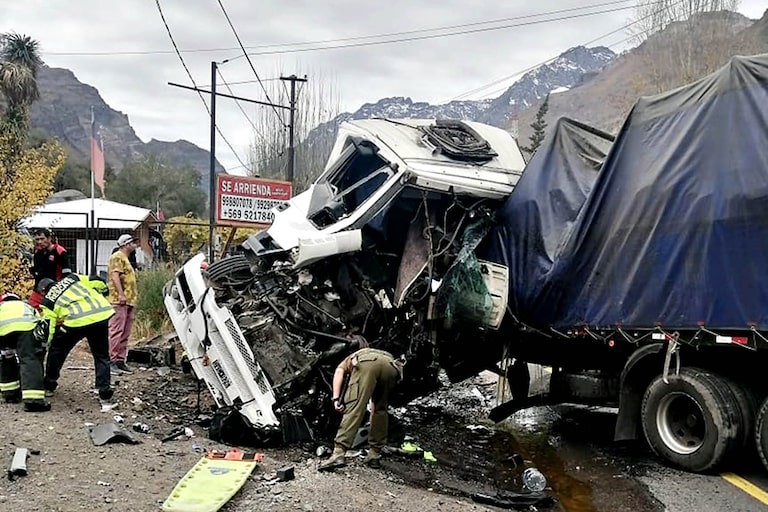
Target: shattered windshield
pixel 359 173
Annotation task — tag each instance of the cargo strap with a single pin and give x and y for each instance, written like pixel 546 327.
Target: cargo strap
pixel 673 350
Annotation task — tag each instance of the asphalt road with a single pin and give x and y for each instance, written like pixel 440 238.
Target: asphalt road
pixel 582 441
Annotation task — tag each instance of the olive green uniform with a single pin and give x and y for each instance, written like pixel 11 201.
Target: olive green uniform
pixel 372 375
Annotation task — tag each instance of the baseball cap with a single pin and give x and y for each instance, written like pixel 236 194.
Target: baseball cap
pixel 124 240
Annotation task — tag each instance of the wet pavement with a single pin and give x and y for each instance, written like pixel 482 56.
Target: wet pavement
pixel 490 459
pixel 571 445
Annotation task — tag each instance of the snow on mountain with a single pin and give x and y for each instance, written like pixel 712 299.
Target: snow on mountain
pixel 568 70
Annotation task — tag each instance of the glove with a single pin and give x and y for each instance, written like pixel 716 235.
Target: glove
pixel 41 331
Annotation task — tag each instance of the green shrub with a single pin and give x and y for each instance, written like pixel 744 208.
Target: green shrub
pixel 150 310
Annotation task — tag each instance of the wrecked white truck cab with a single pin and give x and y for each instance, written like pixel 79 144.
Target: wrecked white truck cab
pixel 379 251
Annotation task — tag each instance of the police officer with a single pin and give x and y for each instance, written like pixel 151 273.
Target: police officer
pixel 73 309
pixel 21 379
pixel 372 375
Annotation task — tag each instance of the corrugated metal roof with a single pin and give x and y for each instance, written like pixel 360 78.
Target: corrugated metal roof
pixel 76 214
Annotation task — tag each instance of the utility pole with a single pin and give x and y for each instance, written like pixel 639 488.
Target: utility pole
pixel 291 122
pixel 212 171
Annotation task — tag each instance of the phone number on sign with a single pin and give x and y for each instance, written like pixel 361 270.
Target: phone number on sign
pixel 260 216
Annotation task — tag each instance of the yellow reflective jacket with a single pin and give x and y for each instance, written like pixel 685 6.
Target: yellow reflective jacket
pixel 75 301
pixel 16 316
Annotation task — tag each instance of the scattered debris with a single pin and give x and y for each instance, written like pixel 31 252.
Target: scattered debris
pixel 534 480
pixel 110 432
pixel 18 464
pixel 514 500
pixel 152 356
pixel 412 449
pixel 141 427
pixel 285 473
pixel 173 434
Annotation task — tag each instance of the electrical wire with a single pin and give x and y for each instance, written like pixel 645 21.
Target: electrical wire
pixel 241 82
pixel 435 36
pixel 531 68
pixel 237 102
pixel 191 79
pixel 250 63
pixel 438 29
pixel 339 40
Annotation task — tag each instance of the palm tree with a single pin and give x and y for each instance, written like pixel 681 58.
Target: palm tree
pixel 19 62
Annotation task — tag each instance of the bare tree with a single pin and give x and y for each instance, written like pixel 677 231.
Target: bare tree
pixel 318 102
pixel 682 40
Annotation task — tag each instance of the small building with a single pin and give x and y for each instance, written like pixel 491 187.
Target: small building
pixel 69 221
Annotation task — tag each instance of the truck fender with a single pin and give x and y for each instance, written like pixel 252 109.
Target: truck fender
pixel 640 368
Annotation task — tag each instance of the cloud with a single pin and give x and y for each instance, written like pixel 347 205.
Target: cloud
pixel 426 70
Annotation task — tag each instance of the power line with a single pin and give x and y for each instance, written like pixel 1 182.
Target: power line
pixel 438 29
pixel 269 100
pixel 435 36
pixel 191 78
pixel 256 131
pixel 237 102
pixel 338 40
pixel 241 82
pixel 531 68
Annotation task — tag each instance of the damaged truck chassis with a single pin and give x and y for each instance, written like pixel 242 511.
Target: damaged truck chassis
pixel 426 239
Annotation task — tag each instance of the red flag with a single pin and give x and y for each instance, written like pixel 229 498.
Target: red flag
pixel 97 156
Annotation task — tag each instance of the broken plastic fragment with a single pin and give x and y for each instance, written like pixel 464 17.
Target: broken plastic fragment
pixel 110 432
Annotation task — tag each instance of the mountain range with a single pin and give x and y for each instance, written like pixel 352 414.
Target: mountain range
pixel 593 85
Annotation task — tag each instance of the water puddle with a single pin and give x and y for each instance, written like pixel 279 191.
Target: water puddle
pixel 478 458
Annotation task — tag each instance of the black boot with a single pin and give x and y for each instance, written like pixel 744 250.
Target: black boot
pixel 36 405
pixel 12 397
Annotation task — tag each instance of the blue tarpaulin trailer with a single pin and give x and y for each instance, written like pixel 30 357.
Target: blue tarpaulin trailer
pixel 637 267
pixel 672 230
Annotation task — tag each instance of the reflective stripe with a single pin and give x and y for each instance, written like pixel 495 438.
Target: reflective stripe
pixel 65 301
pixel 9 386
pixel 89 313
pixel 33 394
pixel 16 316
pixel 23 324
pixel 77 308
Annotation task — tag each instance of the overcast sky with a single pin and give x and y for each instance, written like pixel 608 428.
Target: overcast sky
pixel 123 49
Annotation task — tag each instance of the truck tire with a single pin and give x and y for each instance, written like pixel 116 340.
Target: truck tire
pixel 234 267
pixel 748 404
pixel 694 422
pixel 761 433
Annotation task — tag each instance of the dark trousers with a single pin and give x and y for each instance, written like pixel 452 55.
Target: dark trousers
pixel 65 340
pixel 29 367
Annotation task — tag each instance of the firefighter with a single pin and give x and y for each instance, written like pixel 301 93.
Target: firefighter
pixel 21 366
pixel 72 309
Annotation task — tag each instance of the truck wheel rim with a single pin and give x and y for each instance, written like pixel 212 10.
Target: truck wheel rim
pixel 681 424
